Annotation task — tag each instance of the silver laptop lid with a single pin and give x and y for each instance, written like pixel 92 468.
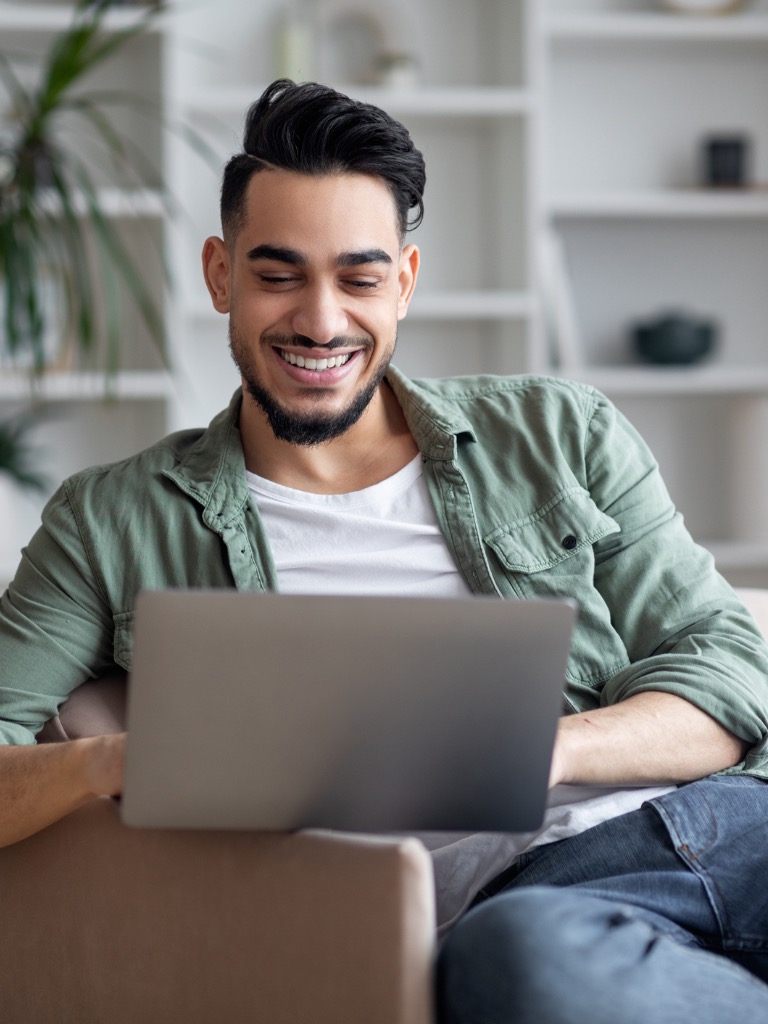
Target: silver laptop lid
pixel 270 711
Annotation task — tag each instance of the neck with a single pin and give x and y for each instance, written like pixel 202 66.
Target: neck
pixel 377 446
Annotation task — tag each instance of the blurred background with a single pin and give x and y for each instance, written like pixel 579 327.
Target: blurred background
pixel 596 208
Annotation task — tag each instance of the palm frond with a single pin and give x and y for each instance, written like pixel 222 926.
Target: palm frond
pixel 114 251
pixel 51 219
pixel 83 47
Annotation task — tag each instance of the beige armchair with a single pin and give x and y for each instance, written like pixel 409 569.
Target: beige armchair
pixel 104 924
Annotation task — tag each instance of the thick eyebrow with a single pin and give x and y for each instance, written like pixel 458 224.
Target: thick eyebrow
pixel 278 253
pixel 363 256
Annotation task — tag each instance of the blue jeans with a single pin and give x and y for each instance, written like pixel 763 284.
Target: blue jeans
pixel 659 916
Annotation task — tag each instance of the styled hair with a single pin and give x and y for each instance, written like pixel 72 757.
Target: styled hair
pixel 313 129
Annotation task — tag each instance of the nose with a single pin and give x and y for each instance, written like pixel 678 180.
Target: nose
pixel 319 314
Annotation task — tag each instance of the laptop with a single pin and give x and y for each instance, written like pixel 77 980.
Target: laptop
pixel 372 714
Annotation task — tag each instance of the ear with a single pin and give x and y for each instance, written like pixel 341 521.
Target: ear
pixel 216 272
pixel 409 271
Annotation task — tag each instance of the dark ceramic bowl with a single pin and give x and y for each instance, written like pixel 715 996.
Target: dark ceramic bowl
pixel 674 340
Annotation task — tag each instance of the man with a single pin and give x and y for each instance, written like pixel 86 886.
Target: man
pixel 330 471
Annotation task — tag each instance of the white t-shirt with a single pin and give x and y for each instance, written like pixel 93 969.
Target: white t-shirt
pixel 382 540
pixel 385 539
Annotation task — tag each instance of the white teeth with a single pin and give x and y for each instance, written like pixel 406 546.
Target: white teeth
pixel 315 364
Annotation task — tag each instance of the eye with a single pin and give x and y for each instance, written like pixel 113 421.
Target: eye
pixel 363 284
pixel 276 280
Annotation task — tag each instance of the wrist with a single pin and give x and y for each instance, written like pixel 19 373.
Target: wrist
pixel 101 764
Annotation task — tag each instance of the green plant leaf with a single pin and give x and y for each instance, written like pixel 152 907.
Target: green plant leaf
pixel 61 230
pixel 16 453
pixel 70 259
pixel 20 98
pixel 84 46
pixel 113 249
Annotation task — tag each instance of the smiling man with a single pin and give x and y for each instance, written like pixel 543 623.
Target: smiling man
pixel 642 898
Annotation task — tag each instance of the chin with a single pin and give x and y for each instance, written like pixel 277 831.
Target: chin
pixel 315 427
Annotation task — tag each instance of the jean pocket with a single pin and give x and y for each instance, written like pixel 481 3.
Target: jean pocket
pixel 719 828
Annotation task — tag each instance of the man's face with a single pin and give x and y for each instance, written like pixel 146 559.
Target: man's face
pixel 315 283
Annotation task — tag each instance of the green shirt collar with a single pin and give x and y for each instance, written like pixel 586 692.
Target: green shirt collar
pixel 436 424
pixel 213 470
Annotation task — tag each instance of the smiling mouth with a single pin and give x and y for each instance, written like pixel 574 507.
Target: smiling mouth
pixel 308 363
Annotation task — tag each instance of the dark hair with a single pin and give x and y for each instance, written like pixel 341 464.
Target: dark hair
pixel 313 129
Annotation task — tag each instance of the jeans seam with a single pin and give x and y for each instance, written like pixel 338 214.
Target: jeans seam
pixel 694 866
pixel 729 939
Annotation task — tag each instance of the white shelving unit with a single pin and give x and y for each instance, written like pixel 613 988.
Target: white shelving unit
pixel 628 94
pixel 669 204
pixel 622 21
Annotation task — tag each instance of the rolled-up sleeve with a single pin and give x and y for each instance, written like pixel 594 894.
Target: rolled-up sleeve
pixel 684 629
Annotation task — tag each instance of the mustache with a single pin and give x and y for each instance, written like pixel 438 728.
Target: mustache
pixel 301 341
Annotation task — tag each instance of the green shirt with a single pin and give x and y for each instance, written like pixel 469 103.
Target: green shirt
pixel 540 486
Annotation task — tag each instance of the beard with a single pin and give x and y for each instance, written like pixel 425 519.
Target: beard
pixel 306 429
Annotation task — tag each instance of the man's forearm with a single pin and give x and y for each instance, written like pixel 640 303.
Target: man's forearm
pixel 650 738
pixel 40 784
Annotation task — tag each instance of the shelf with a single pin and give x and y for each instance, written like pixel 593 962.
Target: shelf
pixel 664 203
pixel 40 17
pixel 474 305
pixel 58 386
pixel 426 101
pixel 113 202
pixel 656 27
pixel 652 382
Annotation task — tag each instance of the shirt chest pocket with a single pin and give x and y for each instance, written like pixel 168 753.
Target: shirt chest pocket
pixel 549 553
pixel 557 533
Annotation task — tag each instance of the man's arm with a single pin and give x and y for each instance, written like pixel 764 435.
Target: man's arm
pixel 40 784
pixel 56 631
pixel 692 697
pixel 648 738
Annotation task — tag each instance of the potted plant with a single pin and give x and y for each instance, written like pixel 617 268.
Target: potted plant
pixel 16 455
pixel 55 236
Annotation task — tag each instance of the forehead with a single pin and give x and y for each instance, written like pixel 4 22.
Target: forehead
pixel 333 211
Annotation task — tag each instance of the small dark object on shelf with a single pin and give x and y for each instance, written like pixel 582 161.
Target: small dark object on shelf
pixel 674 339
pixel 726 161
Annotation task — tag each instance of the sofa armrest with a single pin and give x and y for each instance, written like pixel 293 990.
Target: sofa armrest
pixel 105 922
pixel 102 922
